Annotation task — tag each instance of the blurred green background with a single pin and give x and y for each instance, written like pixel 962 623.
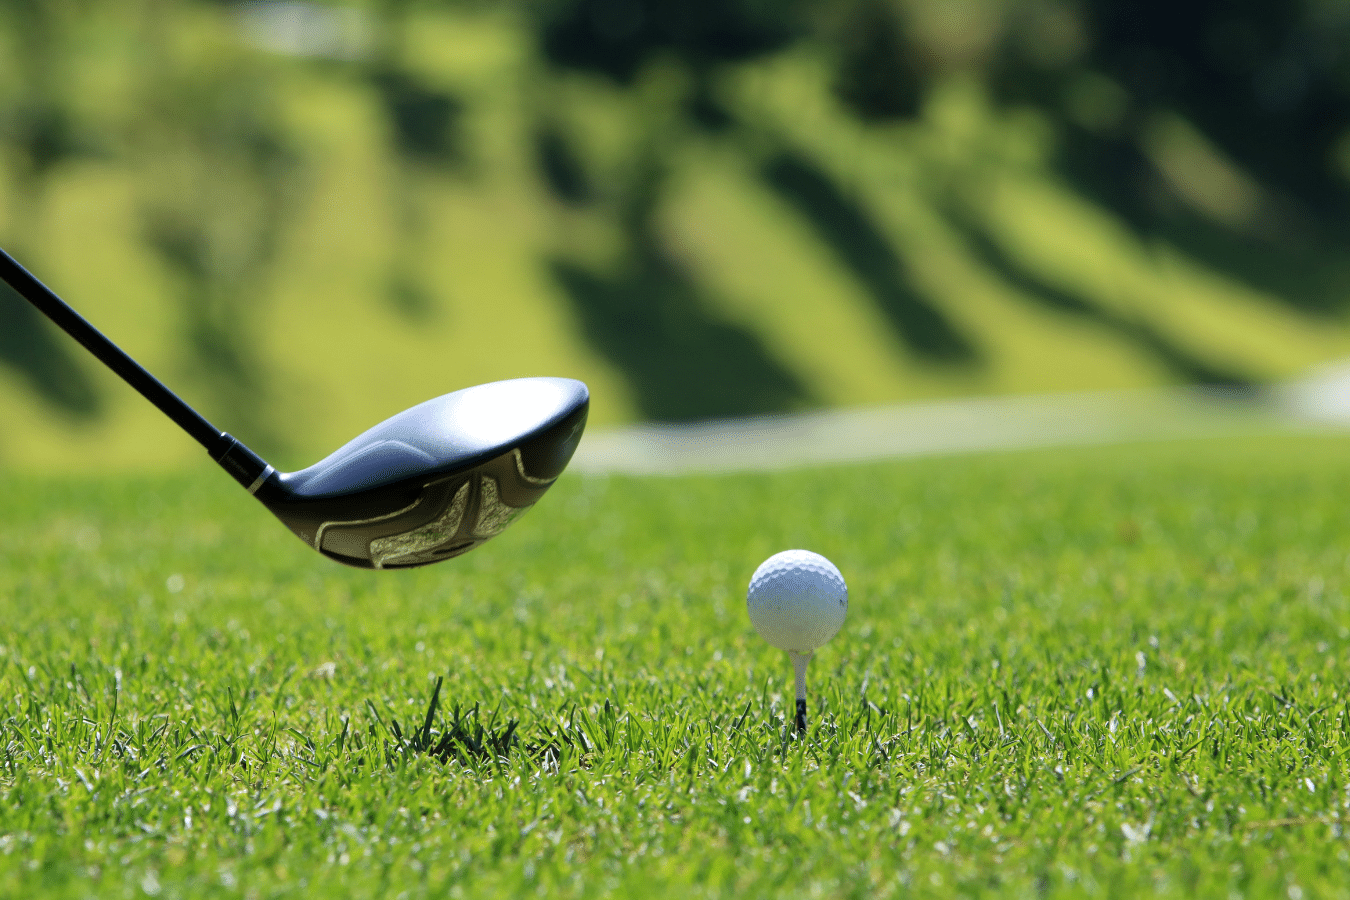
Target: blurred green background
pixel 306 217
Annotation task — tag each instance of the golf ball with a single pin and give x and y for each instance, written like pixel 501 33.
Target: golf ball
pixel 797 600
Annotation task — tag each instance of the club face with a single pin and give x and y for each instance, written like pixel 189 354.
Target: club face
pixel 436 480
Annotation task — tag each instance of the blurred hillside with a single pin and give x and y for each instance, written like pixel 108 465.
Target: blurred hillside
pixel 306 217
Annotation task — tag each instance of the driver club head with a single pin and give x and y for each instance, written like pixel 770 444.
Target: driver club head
pixel 432 482
pixel 436 480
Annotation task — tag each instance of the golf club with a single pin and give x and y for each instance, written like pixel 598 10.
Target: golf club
pixel 431 483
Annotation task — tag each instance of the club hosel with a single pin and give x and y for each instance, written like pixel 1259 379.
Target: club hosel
pixel 247 467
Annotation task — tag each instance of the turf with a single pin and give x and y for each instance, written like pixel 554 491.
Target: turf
pixel 1086 673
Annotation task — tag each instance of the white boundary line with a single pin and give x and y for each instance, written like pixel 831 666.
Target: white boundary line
pixel 964 426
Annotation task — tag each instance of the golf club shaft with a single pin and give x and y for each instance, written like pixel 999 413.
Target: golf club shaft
pixel 233 456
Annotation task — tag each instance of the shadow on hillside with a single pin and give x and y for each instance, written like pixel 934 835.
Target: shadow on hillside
pixel 1288 256
pixel 1303 272
pixel 858 242
pixel 1258 192
pixel 1182 363
pixel 37 352
pixel 652 321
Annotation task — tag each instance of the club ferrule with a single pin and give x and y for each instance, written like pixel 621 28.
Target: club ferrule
pixel 247 467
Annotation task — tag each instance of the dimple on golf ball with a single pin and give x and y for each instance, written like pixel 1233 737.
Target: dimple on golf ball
pixel 797 600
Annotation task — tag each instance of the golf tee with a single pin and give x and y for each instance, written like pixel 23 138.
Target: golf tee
pixel 799 661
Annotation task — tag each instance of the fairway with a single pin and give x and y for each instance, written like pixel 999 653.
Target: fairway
pixel 1097 672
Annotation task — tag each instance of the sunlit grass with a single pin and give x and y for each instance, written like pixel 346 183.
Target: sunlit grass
pixel 1077 673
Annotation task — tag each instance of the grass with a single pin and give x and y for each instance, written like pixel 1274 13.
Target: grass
pixel 1095 672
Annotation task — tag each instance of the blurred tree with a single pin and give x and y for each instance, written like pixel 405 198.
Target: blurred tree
pixel 1223 127
pixel 876 75
pixel 426 136
pixel 1155 105
pixel 648 312
pixel 220 181
pixel 41 132
pixel 1038 51
pixel 616 38
pixel 660 304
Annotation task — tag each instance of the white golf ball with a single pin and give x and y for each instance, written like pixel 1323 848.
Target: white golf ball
pixel 797 600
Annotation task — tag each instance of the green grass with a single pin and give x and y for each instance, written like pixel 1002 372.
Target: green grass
pixel 1098 672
